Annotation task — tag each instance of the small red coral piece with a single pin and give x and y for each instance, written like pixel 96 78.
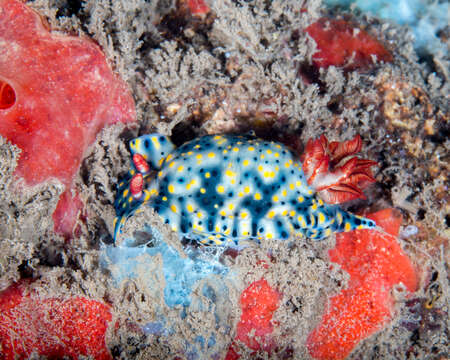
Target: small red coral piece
pixel 337 181
pixel 258 303
pixel 345 45
pixel 198 7
pixel 56 93
pixel 376 263
pixel 53 327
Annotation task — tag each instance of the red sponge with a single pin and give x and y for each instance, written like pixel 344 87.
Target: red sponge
pixel 258 303
pixel 52 327
pixel 343 44
pixel 376 263
pixel 56 94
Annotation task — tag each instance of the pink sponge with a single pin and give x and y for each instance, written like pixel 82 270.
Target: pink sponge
pixel 56 94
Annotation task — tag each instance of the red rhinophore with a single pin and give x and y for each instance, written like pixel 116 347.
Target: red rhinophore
pixel 345 45
pixel 52 327
pixel 136 185
pixel 335 179
pixel 375 263
pixel 56 93
pixel 258 303
pixel 140 164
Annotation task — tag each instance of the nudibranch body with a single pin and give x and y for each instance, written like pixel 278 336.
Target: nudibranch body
pixel 227 188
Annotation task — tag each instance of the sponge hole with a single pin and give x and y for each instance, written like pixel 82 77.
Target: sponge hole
pixel 7 95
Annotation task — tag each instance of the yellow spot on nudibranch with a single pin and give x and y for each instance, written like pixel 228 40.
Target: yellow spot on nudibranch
pixel 235 149
pixel 155 142
pixel 269 151
pixel 271 214
pixel 347 226
pixel 125 193
pixel 292 213
pixel 251 148
pixel 230 173
pixel 220 189
pixel 190 208
pixel 190 184
pixel 164 198
pixel 301 220
pixel 321 218
pixel 231 206
pixel 173 208
pixel 257 196
pixel 207 175
pixel 171 188
pixel 339 218
pixel 202 190
pixel 180 168
pixel 327 232
pixel 245 162
pixel 211 155
pixel 275 198
pixel 247 189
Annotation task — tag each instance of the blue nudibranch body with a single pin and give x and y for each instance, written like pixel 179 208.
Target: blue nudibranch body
pixel 226 188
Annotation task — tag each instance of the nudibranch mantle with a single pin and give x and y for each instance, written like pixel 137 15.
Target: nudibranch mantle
pixel 225 188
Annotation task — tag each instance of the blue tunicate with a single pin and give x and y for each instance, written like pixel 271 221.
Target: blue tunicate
pixel 181 274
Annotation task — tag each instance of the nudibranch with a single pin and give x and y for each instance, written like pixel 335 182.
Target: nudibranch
pixel 222 189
